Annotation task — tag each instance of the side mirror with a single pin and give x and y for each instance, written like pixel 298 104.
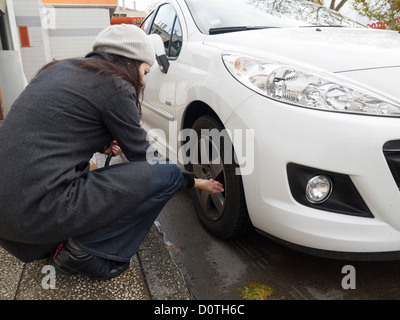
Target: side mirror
pixel 161 57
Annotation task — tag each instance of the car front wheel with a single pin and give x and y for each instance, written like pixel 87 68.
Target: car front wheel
pixel 223 214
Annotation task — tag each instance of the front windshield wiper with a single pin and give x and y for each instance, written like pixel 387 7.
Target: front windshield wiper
pixel 235 29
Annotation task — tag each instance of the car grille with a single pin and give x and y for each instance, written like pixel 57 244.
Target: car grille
pixel 391 150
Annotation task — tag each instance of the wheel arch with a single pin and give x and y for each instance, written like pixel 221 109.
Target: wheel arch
pixel 195 110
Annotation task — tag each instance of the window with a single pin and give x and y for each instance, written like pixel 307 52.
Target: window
pixel 146 23
pixel 166 24
pixel 24 36
pixel 176 39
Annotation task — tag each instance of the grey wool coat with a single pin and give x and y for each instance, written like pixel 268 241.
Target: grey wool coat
pixel 47 193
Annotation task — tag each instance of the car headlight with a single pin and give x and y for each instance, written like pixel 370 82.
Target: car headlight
pixel 306 88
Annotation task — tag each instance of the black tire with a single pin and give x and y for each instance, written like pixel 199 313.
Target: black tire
pixel 224 215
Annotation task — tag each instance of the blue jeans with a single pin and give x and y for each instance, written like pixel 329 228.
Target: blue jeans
pixel 120 240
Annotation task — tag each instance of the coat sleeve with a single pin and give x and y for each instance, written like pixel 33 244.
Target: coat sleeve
pixel 121 118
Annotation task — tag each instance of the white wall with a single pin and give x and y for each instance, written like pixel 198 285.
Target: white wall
pixel 27 13
pixel 75 30
pixel 67 32
pixel 12 79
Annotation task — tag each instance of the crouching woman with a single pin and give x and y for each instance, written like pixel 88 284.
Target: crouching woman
pixel 70 110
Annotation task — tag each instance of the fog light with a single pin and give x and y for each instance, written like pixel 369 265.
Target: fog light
pixel 318 189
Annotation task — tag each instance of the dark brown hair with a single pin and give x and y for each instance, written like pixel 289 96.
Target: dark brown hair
pixel 113 67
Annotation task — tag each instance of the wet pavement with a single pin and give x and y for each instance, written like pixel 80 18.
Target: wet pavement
pixel 215 269
pixel 152 275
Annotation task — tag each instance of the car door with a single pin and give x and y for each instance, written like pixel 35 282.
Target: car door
pixel 159 101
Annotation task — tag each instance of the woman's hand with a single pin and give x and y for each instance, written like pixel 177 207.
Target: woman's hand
pixel 210 186
pixel 113 147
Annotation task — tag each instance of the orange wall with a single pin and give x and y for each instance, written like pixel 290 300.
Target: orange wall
pixel 83 2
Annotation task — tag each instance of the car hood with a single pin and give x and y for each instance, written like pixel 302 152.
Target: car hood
pixel 330 48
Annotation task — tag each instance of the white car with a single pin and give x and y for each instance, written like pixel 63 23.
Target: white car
pixel 311 103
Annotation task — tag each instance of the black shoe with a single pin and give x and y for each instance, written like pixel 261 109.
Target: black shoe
pixel 87 264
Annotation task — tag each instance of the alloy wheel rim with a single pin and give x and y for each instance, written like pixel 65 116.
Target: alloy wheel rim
pixel 210 166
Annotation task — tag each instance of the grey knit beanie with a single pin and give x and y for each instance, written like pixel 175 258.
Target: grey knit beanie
pixel 125 40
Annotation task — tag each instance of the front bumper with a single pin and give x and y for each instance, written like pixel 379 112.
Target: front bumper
pixel 350 145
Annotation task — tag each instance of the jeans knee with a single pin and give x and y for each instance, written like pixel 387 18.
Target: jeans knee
pixel 176 176
pixel 171 175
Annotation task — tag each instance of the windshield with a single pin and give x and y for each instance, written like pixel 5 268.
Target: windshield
pixel 228 15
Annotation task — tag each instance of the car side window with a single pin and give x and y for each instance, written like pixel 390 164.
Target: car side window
pixel 167 25
pixel 176 39
pixel 146 23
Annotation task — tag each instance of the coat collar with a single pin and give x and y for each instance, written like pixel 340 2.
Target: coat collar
pixel 99 55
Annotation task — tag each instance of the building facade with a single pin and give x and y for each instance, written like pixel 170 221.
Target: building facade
pixel 127 15
pixel 35 32
pixel 59 29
